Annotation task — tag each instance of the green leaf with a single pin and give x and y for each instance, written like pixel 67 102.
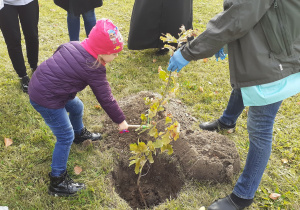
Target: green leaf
pixel 150 158
pixel 153 132
pixel 158 143
pixel 166 138
pixel 133 147
pixel 150 146
pixel 142 147
pixel 137 167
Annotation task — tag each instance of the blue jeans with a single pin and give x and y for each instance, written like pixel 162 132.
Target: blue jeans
pixel 89 19
pixel 234 108
pixel 63 127
pixel 260 128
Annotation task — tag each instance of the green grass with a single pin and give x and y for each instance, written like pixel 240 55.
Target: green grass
pixel 24 165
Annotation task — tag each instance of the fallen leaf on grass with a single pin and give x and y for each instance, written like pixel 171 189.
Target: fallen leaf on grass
pixel 274 196
pixel 284 160
pixel 77 170
pixel 154 60
pixel 201 89
pixel 205 60
pixel 159 69
pixel 298 103
pixel 8 142
pixel 98 107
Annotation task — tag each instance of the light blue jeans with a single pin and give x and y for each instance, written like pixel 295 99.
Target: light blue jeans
pixel 260 129
pixel 63 126
pixel 89 19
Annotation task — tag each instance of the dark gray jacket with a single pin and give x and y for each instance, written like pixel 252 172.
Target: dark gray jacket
pixel 263 38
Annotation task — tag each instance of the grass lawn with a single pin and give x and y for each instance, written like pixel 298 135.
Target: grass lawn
pixel 205 89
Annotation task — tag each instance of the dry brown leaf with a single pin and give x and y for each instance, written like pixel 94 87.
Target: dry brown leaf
pixel 284 160
pixel 274 196
pixel 98 107
pixel 8 141
pixel 159 69
pixel 154 60
pixel 77 170
pixel 201 89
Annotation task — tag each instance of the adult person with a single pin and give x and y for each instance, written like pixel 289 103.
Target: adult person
pixel 264 62
pixel 12 14
pixel 230 115
pixel 151 19
pixel 75 8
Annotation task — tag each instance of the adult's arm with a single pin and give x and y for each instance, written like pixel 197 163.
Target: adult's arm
pixel 237 19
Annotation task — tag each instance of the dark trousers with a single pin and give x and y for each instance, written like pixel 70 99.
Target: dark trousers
pixel 9 24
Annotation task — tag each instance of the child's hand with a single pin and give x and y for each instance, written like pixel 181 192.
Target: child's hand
pixel 123 126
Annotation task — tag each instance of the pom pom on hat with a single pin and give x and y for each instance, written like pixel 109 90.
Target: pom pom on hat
pixel 104 38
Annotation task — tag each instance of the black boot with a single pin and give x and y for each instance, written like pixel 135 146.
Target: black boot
pixel 217 126
pixel 64 185
pixel 85 135
pixel 24 83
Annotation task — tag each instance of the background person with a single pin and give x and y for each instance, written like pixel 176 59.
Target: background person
pixel 75 8
pixel 12 14
pixel 151 19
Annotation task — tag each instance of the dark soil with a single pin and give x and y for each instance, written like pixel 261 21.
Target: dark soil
pixel 197 155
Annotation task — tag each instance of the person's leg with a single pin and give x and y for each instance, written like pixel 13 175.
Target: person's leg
pixel 73 26
pixel 58 121
pixel 230 115
pixel 75 108
pixel 29 17
pixel 260 129
pixel 89 19
pixel 234 108
pixel 9 24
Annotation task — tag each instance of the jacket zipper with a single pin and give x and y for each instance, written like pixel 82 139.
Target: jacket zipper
pixel 283 31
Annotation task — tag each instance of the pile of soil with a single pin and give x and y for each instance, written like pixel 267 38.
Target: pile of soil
pixel 197 155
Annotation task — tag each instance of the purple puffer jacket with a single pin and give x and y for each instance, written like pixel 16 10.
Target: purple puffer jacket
pixel 67 72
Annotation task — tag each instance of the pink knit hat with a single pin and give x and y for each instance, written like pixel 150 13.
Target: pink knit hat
pixel 104 38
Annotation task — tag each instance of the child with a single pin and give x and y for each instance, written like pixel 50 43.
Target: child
pixel 53 88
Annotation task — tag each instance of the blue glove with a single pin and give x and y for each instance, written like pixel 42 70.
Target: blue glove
pixel 177 61
pixel 220 54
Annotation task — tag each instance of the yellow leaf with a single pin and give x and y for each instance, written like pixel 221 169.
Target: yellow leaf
pixel 274 196
pixel 168 120
pixel 77 170
pixel 166 138
pixel 8 141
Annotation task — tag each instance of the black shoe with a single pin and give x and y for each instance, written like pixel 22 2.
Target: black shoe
pixel 217 126
pixel 224 204
pixel 85 135
pixel 64 185
pixel 162 51
pixel 24 83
